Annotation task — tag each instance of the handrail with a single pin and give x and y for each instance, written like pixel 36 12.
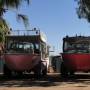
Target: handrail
pixel 25 32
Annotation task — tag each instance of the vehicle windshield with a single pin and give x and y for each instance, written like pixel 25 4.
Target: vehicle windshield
pixel 23 47
pixel 76 47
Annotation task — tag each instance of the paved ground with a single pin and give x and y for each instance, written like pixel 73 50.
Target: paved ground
pixel 51 82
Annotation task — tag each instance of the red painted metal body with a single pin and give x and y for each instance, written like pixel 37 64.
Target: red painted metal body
pixel 77 61
pixel 21 62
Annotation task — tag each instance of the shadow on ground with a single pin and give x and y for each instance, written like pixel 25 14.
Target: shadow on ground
pixel 49 80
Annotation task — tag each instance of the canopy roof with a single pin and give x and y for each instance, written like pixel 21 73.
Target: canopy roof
pixel 27 36
pixel 77 39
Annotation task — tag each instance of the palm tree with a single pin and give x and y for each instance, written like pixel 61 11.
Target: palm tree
pixel 6 5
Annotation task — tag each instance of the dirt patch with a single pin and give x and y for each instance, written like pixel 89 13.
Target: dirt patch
pixel 50 82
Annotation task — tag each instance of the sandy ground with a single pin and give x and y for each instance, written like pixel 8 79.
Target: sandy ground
pixel 51 82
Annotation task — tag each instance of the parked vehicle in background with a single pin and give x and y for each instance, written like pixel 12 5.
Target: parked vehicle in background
pixel 76 55
pixel 26 51
pixel 55 63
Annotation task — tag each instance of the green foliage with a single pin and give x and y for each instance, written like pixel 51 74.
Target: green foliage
pixel 83 9
pixel 2 37
pixel 4 29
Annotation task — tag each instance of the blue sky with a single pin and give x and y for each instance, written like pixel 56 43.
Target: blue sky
pixel 56 18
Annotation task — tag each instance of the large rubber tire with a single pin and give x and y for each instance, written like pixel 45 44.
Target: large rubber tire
pixel 63 70
pixel 19 74
pixel 44 72
pixel 37 70
pixel 71 73
pixel 6 71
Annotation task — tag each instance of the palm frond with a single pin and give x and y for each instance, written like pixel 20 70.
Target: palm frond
pixel 28 1
pixel 2 11
pixel 24 18
pixel 12 3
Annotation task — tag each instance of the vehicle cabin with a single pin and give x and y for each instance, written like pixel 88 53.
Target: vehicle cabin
pixel 75 55
pixel 25 51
